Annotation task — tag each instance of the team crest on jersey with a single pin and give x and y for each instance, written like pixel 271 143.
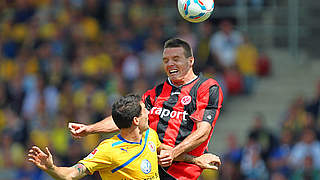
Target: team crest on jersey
pixel 145 166
pixel 91 154
pixel 186 100
pixel 151 146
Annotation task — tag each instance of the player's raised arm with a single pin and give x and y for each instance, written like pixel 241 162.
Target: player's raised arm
pixel 44 161
pixel 104 126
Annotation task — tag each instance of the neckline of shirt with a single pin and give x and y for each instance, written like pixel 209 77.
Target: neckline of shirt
pixel 183 84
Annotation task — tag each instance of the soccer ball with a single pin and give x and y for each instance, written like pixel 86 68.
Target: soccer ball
pixel 195 10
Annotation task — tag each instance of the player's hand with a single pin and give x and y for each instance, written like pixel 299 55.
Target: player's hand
pixel 78 130
pixel 165 158
pixel 42 160
pixel 208 161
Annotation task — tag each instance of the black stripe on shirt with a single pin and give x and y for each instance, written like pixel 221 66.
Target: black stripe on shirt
pixel 148 103
pixel 158 91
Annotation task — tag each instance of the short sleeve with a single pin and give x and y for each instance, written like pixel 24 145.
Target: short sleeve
pixel 209 103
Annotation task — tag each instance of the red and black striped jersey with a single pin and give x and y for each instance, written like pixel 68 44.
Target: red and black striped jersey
pixel 174 111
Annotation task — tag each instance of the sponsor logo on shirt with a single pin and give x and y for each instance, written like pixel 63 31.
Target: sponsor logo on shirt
pixel 163 112
pixel 151 146
pixel 145 166
pixel 186 100
pixel 91 154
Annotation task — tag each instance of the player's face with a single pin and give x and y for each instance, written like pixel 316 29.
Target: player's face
pixel 143 125
pixel 176 65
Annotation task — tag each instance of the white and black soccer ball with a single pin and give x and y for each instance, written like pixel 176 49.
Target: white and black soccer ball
pixel 195 10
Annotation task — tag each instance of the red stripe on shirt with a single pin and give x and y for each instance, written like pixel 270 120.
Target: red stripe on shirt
pixel 164 96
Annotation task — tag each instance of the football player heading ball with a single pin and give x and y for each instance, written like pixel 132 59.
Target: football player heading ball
pixel 183 111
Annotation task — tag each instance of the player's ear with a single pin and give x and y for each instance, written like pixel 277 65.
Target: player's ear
pixel 191 61
pixel 135 121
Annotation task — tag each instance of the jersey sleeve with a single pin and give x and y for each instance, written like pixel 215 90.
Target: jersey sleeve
pixel 98 159
pixel 209 103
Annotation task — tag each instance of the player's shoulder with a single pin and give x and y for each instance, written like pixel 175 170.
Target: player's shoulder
pixel 156 90
pixel 152 132
pixel 158 87
pixel 107 144
pixel 153 136
pixel 208 82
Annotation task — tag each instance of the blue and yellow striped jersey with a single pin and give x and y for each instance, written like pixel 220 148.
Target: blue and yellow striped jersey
pixel 117 158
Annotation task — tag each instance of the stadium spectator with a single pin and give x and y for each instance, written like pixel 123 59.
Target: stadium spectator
pixel 262 136
pixel 234 152
pixel 313 107
pixel 296 117
pixel 278 159
pixel 307 171
pixel 224 44
pixel 252 165
pixel 246 61
pixel 151 66
pixel 231 160
pixel 203 54
pixel 307 146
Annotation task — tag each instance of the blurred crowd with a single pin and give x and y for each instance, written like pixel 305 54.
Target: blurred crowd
pixel 289 154
pixel 67 60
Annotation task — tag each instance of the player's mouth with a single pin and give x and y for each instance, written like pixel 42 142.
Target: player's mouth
pixel 173 71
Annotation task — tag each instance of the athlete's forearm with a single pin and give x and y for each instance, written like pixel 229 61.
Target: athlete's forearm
pixel 193 140
pixel 68 173
pixel 185 158
pixel 106 125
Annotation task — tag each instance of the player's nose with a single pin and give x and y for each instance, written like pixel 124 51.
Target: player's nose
pixel 170 62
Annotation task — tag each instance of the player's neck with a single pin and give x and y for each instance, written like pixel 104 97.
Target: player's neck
pixel 187 79
pixel 131 134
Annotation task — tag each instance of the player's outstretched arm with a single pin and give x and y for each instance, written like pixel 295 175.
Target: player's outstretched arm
pixel 44 161
pixel 104 126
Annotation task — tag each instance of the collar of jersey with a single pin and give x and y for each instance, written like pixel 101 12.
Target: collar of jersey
pixel 184 84
pixel 134 157
pixel 130 142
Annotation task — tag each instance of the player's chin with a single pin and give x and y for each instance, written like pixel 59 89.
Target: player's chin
pixel 175 78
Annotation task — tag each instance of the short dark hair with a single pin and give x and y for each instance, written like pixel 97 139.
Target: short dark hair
pixel 125 109
pixel 175 42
